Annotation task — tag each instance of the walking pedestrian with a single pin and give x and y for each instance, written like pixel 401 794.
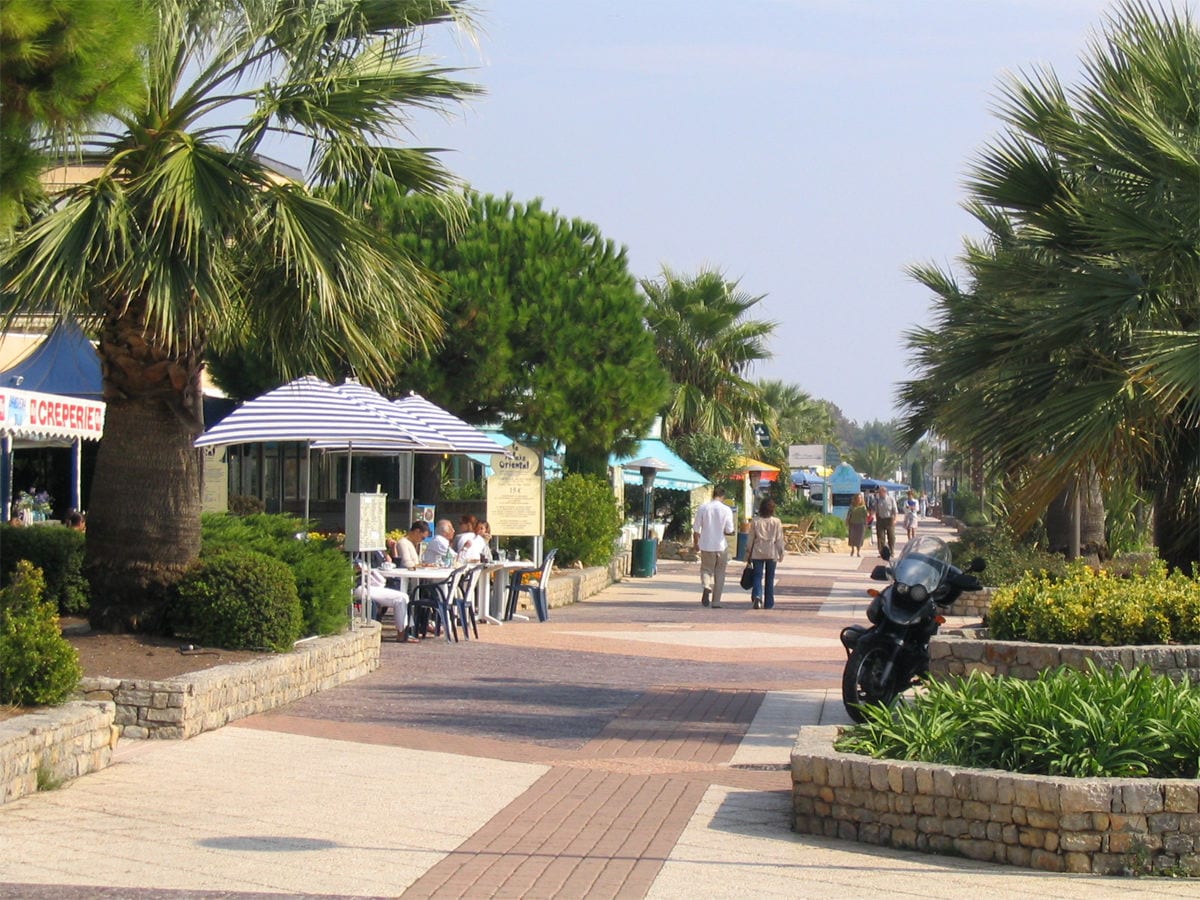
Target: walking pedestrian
pixel 765 548
pixel 710 533
pixel 885 519
pixel 856 523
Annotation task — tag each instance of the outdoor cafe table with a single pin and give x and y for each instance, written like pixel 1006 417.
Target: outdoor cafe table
pixel 494 587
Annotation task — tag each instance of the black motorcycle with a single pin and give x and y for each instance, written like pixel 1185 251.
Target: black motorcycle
pixel 893 654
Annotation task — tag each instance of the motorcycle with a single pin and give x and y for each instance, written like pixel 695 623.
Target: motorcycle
pixel 892 655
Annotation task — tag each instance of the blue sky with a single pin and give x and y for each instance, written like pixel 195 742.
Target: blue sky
pixel 809 148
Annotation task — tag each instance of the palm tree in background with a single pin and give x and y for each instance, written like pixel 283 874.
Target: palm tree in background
pixel 793 416
pixel 1073 354
pixel 181 238
pixel 707 344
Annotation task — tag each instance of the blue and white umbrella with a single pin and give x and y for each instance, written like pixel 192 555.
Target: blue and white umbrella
pixel 461 436
pixel 430 439
pixel 309 410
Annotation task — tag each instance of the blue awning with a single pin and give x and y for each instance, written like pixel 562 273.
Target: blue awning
pixel 64 363
pixel 680 477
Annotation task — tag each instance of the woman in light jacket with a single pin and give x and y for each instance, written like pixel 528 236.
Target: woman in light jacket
pixel 764 548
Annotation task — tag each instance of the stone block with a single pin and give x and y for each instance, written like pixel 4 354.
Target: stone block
pixel 1141 798
pixel 1181 798
pixel 1084 796
pixel 1078 863
pixel 1045 861
pixel 1157 823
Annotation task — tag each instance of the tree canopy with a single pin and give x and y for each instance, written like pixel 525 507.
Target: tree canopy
pixel 708 344
pixel 179 236
pixel 1073 348
pixel 64 64
pixel 544 327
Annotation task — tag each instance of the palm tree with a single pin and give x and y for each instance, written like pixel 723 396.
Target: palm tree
pixel 707 344
pixel 1072 354
pixel 793 417
pixel 182 237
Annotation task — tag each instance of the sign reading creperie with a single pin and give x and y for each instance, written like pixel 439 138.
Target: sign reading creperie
pixel 28 414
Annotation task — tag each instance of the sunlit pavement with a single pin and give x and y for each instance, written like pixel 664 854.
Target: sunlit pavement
pixel 636 745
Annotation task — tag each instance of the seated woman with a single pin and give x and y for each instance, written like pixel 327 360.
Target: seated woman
pixel 383 598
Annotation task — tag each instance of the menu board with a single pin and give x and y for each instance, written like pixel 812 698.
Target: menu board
pixel 366 518
pixel 515 495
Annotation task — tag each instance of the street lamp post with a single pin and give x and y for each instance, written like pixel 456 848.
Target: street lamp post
pixel 645 550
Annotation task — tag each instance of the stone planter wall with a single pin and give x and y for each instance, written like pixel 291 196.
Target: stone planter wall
pixel 63 743
pixel 1093 825
pixel 968 651
pixel 974 604
pixel 205 700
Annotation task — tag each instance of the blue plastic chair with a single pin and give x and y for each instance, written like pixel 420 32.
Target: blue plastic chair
pixel 538 592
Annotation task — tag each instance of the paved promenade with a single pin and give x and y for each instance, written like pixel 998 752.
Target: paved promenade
pixel 636 745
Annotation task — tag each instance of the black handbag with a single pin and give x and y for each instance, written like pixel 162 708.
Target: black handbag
pixel 747 580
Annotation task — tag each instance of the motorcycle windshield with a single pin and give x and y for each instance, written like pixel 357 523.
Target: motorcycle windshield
pixel 925 561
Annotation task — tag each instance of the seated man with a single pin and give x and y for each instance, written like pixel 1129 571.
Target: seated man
pixel 383 597
pixel 405 552
pixel 439 545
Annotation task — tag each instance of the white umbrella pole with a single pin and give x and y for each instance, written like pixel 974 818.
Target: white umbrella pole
pixel 307 478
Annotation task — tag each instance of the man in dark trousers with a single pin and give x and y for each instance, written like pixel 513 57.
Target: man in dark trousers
pixel 885 519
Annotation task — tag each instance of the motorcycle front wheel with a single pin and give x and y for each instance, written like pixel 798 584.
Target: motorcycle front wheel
pixel 862 680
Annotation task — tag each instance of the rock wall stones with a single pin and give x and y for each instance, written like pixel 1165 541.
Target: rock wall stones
pixel 205 700
pixel 54 745
pixel 1092 825
pixel 969 651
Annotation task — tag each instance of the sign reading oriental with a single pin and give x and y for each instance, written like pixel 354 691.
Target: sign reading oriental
pixel 34 416
pixel 514 493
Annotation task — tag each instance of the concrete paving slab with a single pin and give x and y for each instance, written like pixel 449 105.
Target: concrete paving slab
pixel 247 810
pixel 720 639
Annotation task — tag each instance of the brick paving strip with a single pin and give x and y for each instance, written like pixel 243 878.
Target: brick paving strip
pixel 603 824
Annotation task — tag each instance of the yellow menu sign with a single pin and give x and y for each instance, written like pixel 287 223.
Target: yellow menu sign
pixel 514 493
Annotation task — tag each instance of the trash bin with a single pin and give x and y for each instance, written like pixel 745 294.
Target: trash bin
pixel 645 558
pixel 743 539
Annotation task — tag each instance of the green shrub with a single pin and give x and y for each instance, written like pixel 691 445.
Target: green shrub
pixel 239 600
pixel 58 552
pixel 38 667
pixel 796 509
pixel 1008 559
pixel 582 519
pixel 832 526
pixel 1066 722
pixel 1099 608
pixel 322 572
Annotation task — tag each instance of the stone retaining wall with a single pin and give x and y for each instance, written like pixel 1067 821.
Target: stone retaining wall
pixel 973 603
pixel 1094 825
pixel 205 700
pixel 969 651
pixel 54 745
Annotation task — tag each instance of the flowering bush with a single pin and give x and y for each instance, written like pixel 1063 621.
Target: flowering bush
pixel 39 502
pixel 1099 608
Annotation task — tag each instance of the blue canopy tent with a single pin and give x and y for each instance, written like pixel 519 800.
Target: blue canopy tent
pixel 803 477
pixel 871 484
pixel 65 363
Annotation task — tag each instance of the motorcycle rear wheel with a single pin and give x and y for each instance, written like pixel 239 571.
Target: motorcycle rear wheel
pixel 862 681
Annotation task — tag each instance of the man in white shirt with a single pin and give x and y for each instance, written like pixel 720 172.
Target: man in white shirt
pixel 405 552
pixel 439 545
pixel 710 531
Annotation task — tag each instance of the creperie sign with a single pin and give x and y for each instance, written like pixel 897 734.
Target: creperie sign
pixel 29 414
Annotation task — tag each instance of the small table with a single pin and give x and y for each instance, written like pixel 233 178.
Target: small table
pixel 495 588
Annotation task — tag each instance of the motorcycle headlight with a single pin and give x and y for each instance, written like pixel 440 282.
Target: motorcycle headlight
pixel 919 593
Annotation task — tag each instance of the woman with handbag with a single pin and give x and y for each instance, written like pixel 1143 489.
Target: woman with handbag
pixel 764 549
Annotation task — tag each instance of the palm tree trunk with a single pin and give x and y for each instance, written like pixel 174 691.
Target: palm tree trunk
pixel 1060 520
pixel 145 461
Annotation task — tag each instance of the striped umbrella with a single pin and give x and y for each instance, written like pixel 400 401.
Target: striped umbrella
pixel 430 439
pixel 462 437
pixel 309 410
